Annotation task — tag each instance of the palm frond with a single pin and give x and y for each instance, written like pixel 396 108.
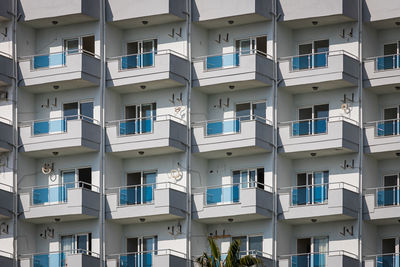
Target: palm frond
pixel 215 252
pixel 233 257
pixel 204 260
pixel 250 260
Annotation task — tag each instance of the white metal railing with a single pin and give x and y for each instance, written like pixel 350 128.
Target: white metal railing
pixel 6 254
pixel 383 128
pixel 6 187
pixel 54 125
pixel 385 62
pixel 385 195
pixel 5 120
pixel 38 257
pixel 150 253
pixel 54 194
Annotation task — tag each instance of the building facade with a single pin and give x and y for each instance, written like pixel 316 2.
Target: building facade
pixel 132 131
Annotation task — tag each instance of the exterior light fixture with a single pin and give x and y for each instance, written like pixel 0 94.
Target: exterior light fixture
pixel 313 154
pixel 229 154
pixel 141 152
pixel 314 22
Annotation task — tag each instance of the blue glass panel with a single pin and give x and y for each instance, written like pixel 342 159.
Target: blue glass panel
pixel 147 260
pixel 57 194
pixel 148 59
pixel 230 60
pixel 319 192
pixel 127 127
pixel 214 62
pixel 320 60
pixel 214 195
pixel 148 193
pixel 380 131
pixel 388 261
pixel 41 260
pixel 57 126
pixel 129 62
pixel 300 261
pixel 304 128
pixel 214 128
pixel 227 195
pixel 55 259
pixel 235 193
pixel 229 126
pixel 319 126
pixel 57 59
pixel 300 196
pixel 387 62
pixel 390 127
pixel 318 260
pixel 295 63
pixel 40 127
pixel 130 196
pixel 146 125
pixel 41 61
pixel 295 129
pixel 40 196
pixel 130 261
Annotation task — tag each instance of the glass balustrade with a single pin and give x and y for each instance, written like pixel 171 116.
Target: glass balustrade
pixel 388 196
pixel 309 260
pixel 388 62
pixel 135 195
pixel 222 194
pixel 315 194
pixel 136 126
pixel 389 260
pixel 223 127
pixel 144 259
pixel 137 61
pixel 310 61
pixel 222 61
pixel 388 127
pixel 50 60
pixel 309 127
pixel 49 126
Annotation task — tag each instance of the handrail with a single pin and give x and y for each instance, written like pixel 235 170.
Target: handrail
pixel 380 255
pixel 157 252
pixel 75 51
pixel 73 117
pixel 376 57
pixel 5 54
pixel 6 254
pixel 10 188
pixel 382 187
pixel 252 117
pixel 71 252
pixel 168 185
pixel 329 254
pixel 329 119
pixel 57 185
pixel 329 53
pixel 254 184
pixel 155 52
pixel 252 253
pixel 163 118
pixel 375 122
pixel 249 52
pixel 342 185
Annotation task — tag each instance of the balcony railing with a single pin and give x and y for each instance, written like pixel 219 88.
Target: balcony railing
pixel 388 260
pixel 387 127
pixel 141 60
pixel 55 259
pixel 388 62
pixel 314 194
pixel 254 253
pixel 225 60
pixel 317 259
pixel 229 193
pixel 53 125
pixel 143 125
pixel 55 194
pixel 143 259
pixel 387 196
pixel 228 125
pixel 53 60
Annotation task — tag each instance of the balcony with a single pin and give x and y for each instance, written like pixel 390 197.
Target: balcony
pixel 323 136
pixel 381 16
pixel 66 135
pixel 324 202
pixel 158 135
pixel 6 67
pixel 300 14
pixel 42 13
pixel 326 70
pixel 240 202
pixel 382 73
pixel 382 138
pixel 216 73
pixel 40 73
pixel 130 73
pixel 6 202
pixel 157 258
pixel 6 137
pixel 153 202
pixel 76 258
pixel 155 12
pixel 216 14
pixel 382 204
pixel 69 202
pixel 237 136
pixel 382 260
pixel 6 259
pixel 330 259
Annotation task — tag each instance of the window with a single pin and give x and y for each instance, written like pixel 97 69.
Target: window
pixel 78 243
pixel 139 249
pixel 139 54
pixel 315 245
pixel 311 55
pixel 311 120
pixel 389 194
pixel 138 119
pixel 81 177
pixel 83 108
pixel 139 188
pixel 250 244
pixel 84 43
pixel 249 178
pixel 312 188
pixel 391 122
pixel 252 45
pixel 251 110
